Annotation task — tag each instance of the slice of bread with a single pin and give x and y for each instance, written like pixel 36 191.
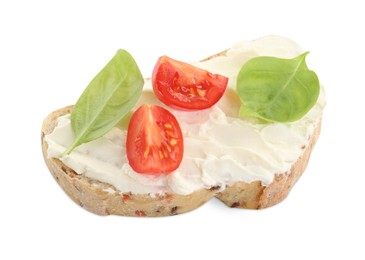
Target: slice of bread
pixel 103 199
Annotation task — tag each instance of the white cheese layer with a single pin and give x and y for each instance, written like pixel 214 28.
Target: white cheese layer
pixel 219 147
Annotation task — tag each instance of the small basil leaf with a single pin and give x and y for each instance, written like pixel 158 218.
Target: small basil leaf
pixel 107 99
pixel 277 90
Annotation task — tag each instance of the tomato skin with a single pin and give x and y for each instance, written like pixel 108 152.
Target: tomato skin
pixel 154 141
pixel 181 85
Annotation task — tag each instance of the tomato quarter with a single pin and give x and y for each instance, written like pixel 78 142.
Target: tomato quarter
pixel 181 85
pixel 154 141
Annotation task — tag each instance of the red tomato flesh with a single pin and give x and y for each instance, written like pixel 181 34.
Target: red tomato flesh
pixel 154 141
pixel 181 85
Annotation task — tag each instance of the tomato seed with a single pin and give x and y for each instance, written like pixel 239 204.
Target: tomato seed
pixel 146 152
pixel 168 126
pixel 173 141
pixel 201 92
pixel 161 154
pixel 170 133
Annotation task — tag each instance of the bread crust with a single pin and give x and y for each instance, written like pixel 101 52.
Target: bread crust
pixel 97 197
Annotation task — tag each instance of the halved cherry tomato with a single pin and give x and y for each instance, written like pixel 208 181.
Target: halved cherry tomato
pixel 154 141
pixel 181 85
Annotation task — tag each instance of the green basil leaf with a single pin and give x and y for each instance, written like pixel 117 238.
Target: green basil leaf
pixel 277 90
pixel 107 99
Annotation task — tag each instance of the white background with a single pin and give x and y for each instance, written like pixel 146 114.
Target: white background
pixel 50 50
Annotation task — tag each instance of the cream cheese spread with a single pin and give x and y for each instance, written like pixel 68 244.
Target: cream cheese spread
pixel 219 147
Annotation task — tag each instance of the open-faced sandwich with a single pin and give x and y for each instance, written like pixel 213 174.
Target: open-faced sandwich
pixel 239 126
